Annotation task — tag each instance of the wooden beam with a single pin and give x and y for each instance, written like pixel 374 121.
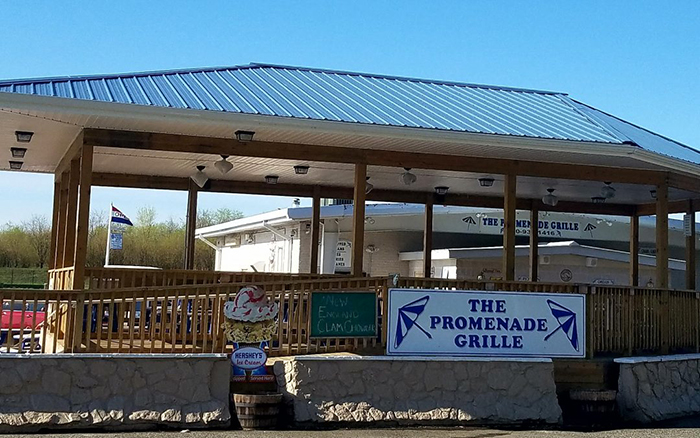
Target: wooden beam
pixel 662 236
pixel 358 219
pixel 306 191
pixel 86 156
pixel 315 229
pixel 190 224
pixel 634 250
pixel 690 254
pixel 678 206
pixel 54 222
pixel 71 213
pixel 375 157
pixel 509 228
pixel 534 240
pixel 428 237
pixel 71 153
pixel 61 228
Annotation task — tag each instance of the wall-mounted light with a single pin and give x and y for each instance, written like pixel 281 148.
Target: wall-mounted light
pixel 18 152
pixel 223 166
pixel 199 177
pixel 441 190
pixel 550 198
pixel 244 136
pixel 15 165
pixel 598 199
pixel 272 179
pixel 486 181
pixel 652 192
pixel 301 170
pixel 407 178
pixel 369 220
pixel 368 186
pixel 23 136
pixel 607 191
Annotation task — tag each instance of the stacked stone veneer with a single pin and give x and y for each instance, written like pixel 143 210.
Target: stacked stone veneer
pixel 418 390
pixel 658 388
pixel 112 391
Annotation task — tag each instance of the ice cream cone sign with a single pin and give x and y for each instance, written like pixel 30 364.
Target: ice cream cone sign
pixel 251 317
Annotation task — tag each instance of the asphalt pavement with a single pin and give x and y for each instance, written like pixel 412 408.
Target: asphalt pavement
pixel 689 428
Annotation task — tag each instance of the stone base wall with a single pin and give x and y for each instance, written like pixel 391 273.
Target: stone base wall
pixel 77 391
pixel 403 391
pixel 658 388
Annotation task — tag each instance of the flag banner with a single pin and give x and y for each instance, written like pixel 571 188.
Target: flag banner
pixel 120 218
pixel 477 323
pixel 115 241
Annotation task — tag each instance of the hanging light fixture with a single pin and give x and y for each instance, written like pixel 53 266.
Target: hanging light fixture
pixel 407 178
pixel 199 177
pixel 598 199
pixel 244 136
pixel 368 186
pixel 607 192
pixel 223 166
pixel 272 179
pixel 550 198
pixel 441 190
pixel 301 170
pixel 486 181
pixel 18 152
pixel 24 136
pixel 652 192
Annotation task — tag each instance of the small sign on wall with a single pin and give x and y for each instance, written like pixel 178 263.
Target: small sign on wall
pixel 343 257
pixel 475 323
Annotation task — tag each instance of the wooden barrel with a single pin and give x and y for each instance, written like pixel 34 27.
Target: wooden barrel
pixel 257 411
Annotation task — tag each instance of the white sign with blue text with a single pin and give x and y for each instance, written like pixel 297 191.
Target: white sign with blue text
pixel 475 323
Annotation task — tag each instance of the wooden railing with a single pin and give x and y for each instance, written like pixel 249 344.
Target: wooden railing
pixel 61 279
pixel 35 321
pixel 188 317
pixel 637 321
pixel 114 278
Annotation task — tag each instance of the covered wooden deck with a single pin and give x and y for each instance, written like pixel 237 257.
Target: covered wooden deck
pixel 539 143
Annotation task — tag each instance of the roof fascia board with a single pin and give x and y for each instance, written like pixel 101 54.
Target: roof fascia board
pixel 143 112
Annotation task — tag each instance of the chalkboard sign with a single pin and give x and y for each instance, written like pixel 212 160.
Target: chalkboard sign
pixel 343 314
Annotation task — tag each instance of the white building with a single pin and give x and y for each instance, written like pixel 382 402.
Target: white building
pixel 573 247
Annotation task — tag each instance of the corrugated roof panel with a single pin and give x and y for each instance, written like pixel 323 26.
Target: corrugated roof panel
pixel 359 98
pixel 643 137
pixel 136 92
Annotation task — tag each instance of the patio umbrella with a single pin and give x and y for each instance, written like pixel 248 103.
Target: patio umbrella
pixel 408 314
pixel 566 318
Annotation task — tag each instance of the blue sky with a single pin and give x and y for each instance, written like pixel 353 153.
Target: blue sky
pixel 639 60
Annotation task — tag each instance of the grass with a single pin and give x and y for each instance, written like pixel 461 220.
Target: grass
pixel 23 277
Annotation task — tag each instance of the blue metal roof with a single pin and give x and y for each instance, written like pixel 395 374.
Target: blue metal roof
pixel 338 96
pixel 317 94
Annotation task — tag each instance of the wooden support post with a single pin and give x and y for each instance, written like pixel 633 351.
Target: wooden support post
pixel 54 222
pixel 428 238
pixel 86 156
pixel 534 241
pixel 509 228
pixel 358 219
pixel 690 253
pixel 315 229
pixel 61 227
pixel 662 236
pixel 191 224
pixel 634 250
pixel 71 213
